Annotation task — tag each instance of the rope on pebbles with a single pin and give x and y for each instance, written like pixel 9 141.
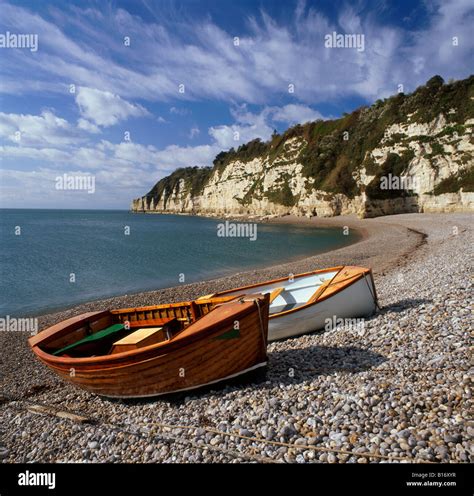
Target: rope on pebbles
pixel 288 445
pixel 48 409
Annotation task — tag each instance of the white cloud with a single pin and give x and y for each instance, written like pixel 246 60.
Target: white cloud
pixel 249 126
pixel 166 159
pixel 179 111
pixel 201 55
pixel 237 134
pixel 270 55
pixel 87 126
pixel 123 171
pixel 39 187
pixel 174 156
pixel 295 114
pixel 26 152
pixel 105 108
pixel 130 156
pixel 195 131
pixel 34 130
pixel 50 138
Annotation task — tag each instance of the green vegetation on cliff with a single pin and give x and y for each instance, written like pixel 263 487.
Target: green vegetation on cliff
pixel 194 180
pixel 245 153
pixel 395 165
pixel 454 183
pixel 335 150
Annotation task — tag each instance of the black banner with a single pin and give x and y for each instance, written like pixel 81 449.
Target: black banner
pixel 17 479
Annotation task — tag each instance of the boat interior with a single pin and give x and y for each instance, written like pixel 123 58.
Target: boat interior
pixel 291 294
pixel 127 329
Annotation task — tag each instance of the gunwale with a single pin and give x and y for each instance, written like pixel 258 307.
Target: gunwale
pixel 186 337
pixel 203 351
pixel 363 271
pixel 64 326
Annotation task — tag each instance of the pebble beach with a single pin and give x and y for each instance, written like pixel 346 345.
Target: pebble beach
pixel 395 389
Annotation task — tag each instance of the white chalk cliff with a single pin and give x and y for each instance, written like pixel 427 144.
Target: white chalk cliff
pixel 336 167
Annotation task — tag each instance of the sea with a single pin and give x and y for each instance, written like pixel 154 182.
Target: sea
pixel 55 259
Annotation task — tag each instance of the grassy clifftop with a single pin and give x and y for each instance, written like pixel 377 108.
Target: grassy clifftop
pixel 334 150
pixel 190 179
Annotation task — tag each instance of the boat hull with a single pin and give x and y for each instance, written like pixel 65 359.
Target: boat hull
pixel 214 354
pixel 348 292
pixel 353 301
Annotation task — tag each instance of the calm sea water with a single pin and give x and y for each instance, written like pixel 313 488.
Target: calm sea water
pixel 36 265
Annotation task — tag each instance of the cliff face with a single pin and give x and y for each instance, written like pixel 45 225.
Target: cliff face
pixel 410 153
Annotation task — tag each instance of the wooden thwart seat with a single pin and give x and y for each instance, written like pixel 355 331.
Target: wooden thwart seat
pixel 206 297
pixel 139 339
pixel 165 328
pixel 275 293
pixel 318 292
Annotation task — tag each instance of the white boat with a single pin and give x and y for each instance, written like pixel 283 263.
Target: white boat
pixel 311 301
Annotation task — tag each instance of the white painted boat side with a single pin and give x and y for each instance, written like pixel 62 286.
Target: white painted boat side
pixel 356 300
pixel 311 281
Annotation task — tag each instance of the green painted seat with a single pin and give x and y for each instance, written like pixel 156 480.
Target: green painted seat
pixel 97 336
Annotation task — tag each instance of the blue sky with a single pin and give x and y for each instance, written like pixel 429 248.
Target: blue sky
pixel 104 69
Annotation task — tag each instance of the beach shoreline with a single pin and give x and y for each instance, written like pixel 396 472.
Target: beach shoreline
pixel 146 262
pixel 394 389
pixel 375 247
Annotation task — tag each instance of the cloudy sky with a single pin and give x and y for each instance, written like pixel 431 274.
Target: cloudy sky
pixel 128 91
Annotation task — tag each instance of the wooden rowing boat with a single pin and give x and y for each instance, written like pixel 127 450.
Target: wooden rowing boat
pixel 148 351
pixel 313 300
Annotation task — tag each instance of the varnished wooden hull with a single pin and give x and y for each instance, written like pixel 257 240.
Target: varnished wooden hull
pixel 208 352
